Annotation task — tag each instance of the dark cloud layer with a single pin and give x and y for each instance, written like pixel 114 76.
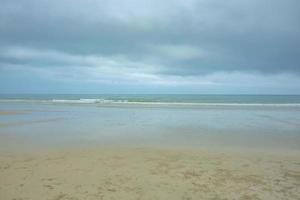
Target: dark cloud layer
pixel 180 38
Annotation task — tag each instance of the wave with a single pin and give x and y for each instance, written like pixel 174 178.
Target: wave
pixel 65 101
pixel 84 101
pixel 145 103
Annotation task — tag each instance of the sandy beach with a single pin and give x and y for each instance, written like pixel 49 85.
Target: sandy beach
pixel 148 173
pixel 102 154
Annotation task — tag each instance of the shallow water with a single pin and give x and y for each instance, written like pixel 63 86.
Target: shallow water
pixel 61 125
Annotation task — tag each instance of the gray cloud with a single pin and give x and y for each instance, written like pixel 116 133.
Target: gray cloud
pixel 171 38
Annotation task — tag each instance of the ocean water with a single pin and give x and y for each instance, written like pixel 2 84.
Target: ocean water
pixel 200 121
pixel 153 98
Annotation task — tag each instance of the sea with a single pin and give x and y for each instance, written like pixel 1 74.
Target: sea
pixel 155 98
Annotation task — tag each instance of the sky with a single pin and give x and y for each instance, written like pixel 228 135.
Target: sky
pixel 150 46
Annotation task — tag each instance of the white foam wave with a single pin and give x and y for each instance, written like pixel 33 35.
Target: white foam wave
pixel 125 102
pixel 84 101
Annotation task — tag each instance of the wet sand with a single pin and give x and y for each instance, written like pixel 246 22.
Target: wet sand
pixel 148 173
pixel 12 112
pixel 32 172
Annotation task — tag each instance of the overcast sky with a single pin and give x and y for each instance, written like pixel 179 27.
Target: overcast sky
pixel 154 46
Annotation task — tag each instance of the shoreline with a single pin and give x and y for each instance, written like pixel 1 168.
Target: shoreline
pixel 66 152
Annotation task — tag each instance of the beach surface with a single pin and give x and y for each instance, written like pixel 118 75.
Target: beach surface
pixel 148 173
pixel 67 152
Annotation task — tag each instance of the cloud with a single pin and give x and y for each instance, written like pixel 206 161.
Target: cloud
pixel 240 35
pixel 178 52
pixel 55 61
pixel 167 42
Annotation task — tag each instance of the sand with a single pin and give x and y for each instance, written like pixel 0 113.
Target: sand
pixel 129 172
pixel 148 173
pixel 12 112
